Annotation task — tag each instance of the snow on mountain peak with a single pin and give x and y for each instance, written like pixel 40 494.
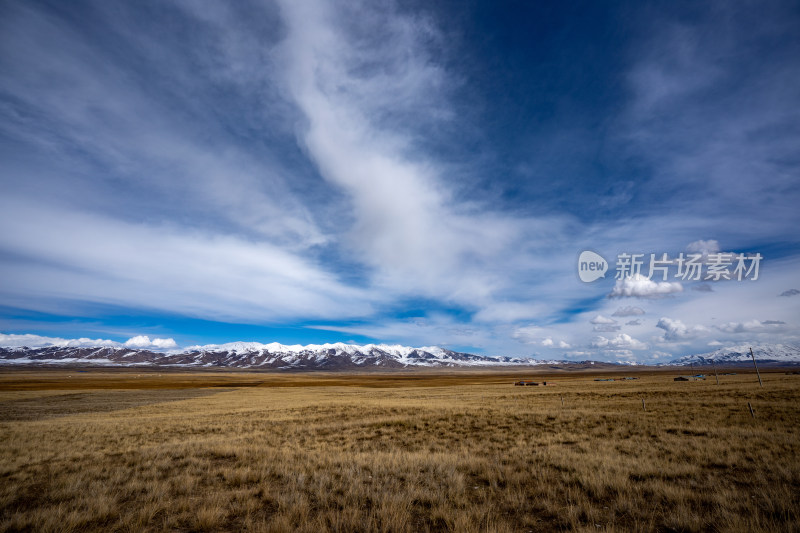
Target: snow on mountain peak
pixel 396 350
pixel 784 353
pixel 140 350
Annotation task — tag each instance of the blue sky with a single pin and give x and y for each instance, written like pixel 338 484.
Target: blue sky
pixel 416 173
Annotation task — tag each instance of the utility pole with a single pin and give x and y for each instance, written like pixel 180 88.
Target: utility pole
pixel 715 371
pixel 755 365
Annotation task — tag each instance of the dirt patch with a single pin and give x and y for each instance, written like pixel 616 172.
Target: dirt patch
pixel 57 405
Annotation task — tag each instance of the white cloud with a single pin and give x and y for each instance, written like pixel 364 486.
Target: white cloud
pixel 620 341
pixel 527 334
pixel 629 311
pixel 403 226
pixel 139 342
pixel 675 330
pixel 753 326
pixel 624 354
pixel 604 324
pixel 606 328
pixel 548 342
pixel 509 312
pixel 580 354
pixel 537 335
pixel 703 247
pixel 143 342
pixel 37 341
pixel 640 287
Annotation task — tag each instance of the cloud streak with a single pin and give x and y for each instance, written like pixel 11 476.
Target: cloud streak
pixel 83 256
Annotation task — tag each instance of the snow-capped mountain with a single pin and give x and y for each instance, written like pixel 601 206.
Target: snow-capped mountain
pixel 766 353
pixel 336 356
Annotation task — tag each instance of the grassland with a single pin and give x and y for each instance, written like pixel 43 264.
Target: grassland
pixel 128 451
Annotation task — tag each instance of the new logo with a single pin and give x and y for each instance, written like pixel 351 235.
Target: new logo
pixel 591 266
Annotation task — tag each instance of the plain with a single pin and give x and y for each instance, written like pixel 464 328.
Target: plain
pixel 133 450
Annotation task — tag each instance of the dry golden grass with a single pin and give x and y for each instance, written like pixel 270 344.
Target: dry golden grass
pixel 431 452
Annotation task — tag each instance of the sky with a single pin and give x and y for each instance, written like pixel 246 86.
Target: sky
pixel 188 172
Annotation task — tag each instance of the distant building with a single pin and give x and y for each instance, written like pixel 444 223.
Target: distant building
pixel 681 378
pixel 524 383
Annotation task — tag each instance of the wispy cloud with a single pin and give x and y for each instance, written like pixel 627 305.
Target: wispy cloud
pixel 712 116
pixel 112 140
pixel 98 258
pixel 364 90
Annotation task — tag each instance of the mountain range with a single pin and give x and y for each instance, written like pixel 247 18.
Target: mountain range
pixel 764 353
pixel 340 356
